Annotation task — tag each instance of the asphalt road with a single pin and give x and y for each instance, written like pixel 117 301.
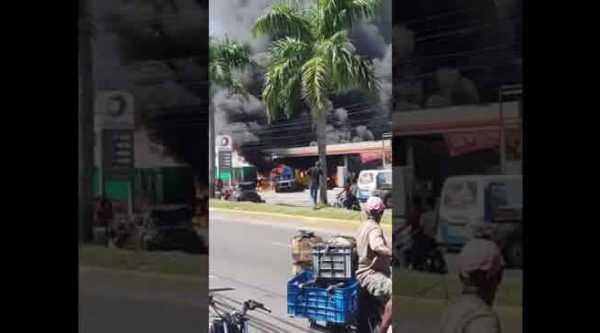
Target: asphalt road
pixel 120 302
pixel 253 257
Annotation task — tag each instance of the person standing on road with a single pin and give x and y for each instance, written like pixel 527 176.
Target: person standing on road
pixel 374 259
pixel 480 271
pixel 315 173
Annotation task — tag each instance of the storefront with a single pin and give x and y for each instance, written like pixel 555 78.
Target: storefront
pixel 342 159
pixel 460 140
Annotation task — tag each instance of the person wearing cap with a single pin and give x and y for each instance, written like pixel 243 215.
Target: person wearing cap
pixel 374 255
pixel 480 271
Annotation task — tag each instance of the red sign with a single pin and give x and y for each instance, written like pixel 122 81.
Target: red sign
pixel 464 143
pixel 369 157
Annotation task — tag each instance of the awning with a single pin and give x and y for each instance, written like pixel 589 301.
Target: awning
pixel 374 147
pixel 456 119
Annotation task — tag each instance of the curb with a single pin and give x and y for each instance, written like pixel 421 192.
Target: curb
pixel 385 227
pixel 147 274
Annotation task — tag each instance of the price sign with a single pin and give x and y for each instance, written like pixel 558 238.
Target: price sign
pixel 225 160
pixel 117 153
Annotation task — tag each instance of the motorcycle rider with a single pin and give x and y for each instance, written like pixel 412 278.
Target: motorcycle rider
pixel 480 272
pixel 374 255
pixel 350 198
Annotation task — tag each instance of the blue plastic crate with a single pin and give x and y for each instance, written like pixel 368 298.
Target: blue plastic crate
pixel 314 302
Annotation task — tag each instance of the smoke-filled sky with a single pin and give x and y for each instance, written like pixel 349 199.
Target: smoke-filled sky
pixel 157 50
pixel 246 121
pixel 444 53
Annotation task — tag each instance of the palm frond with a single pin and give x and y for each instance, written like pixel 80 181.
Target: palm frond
pixel 289 49
pixel 282 80
pixel 316 78
pixel 348 70
pixel 218 73
pixel 284 19
pixel 225 57
pixel 341 14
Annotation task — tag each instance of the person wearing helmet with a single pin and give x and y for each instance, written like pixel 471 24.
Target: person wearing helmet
pixel 374 257
pixel 480 272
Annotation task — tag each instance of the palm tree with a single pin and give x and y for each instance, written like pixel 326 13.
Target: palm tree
pixel 312 57
pixel 225 57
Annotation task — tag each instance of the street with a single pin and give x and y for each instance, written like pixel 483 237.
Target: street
pixel 122 302
pixel 253 257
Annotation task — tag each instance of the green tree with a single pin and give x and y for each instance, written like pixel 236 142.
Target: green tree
pixel 225 58
pixel 313 57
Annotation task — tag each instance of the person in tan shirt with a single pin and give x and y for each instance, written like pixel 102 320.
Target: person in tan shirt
pixel 374 255
pixel 481 266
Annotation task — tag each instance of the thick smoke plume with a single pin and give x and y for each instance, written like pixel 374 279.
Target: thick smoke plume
pixel 156 50
pixel 353 117
pixel 440 56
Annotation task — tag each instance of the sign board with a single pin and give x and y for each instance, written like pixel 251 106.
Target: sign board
pixel 224 143
pixel 117 153
pixel 464 143
pixel 225 160
pixel 113 109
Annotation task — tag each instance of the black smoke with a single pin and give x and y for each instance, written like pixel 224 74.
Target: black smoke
pixel 455 52
pixel 364 119
pixel 157 50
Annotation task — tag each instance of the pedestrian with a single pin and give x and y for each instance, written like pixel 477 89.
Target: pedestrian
pixel 428 225
pixel 315 173
pixel 480 272
pixel 106 216
pixel 374 258
pixel 414 221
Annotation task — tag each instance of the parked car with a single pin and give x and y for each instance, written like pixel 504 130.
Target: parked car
pixel 169 227
pixel 493 203
pixel 375 183
pixel 246 192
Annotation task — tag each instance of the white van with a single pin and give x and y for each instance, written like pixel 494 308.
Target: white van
pixel 494 202
pixel 370 181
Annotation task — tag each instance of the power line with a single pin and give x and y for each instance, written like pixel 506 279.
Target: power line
pixel 459 31
pixel 463 53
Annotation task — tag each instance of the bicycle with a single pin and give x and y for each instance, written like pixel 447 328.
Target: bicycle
pixel 234 321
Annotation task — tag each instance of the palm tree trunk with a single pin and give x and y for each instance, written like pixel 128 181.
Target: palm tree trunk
pixel 86 124
pixel 321 124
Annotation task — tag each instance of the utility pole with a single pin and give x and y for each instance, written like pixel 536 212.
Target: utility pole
pixel 321 124
pixel 86 124
pixel 510 90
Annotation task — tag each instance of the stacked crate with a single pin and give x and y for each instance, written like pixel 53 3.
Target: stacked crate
pixel 327 291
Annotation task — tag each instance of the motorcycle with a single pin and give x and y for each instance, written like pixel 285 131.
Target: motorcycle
pixel 432 260
pixel 370 309
pixel 342 201
pixel 234 321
